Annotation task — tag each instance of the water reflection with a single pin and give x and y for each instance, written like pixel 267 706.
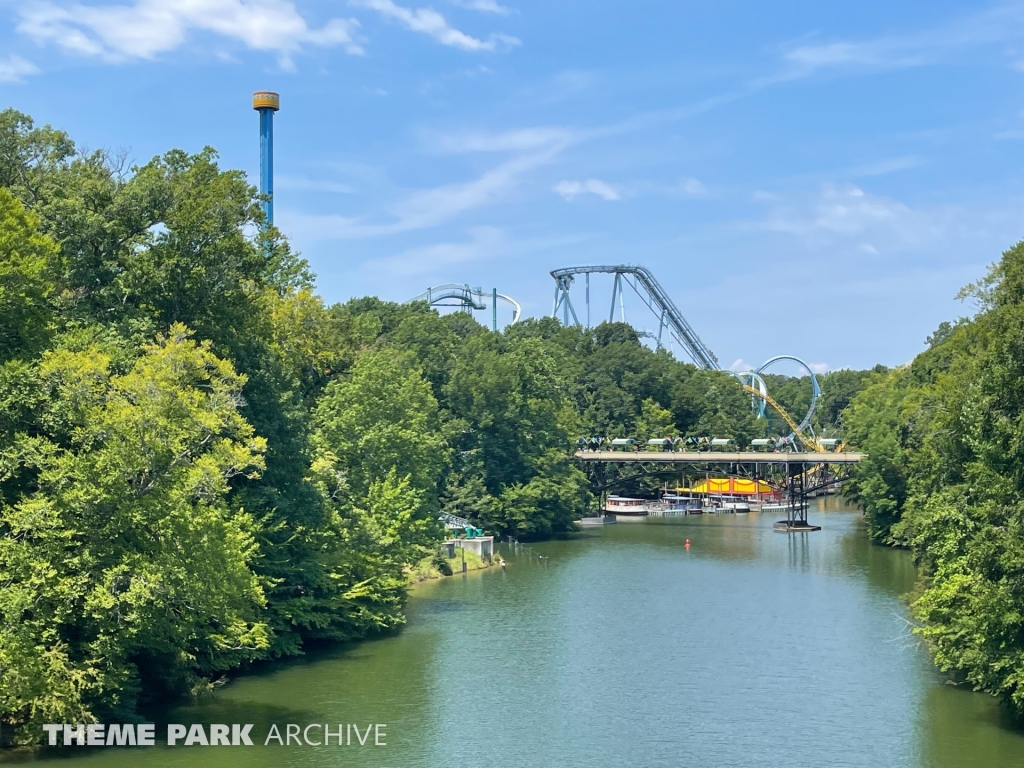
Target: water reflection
pixel 625 648
pixel 963 729
pixel 799 550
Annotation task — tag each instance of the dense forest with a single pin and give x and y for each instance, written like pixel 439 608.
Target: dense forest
pixel 944 436
pixel 203 465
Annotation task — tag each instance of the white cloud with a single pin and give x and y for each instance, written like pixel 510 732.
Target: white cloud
pixel 15 69
pixel 423 208
pixel 520 140
pixel 847 214
pixel 884 167
pixel 742 366
pixel 488 6
pixel 433 206
pixel 485 242
pixel 150 27
pixel 879 54
pixel 692 188
pixel 1000 23
pixel 430 22
pixel 301 183
pixel 572 189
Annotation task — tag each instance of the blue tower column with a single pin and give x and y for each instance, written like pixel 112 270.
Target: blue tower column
pixel 267 103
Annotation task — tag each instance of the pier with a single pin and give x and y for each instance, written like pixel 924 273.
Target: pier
pixel 801 474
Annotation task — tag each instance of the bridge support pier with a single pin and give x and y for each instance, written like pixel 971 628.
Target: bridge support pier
pixel 797 502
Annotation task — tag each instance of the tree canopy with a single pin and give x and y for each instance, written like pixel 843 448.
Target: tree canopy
pixel 945 477
pixel 202 465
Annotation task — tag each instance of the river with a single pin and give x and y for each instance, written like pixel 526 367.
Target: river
pixel 625 648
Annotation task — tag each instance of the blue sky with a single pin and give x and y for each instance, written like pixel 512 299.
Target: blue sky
pixel 809 178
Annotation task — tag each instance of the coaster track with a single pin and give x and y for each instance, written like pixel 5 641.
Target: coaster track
pixel 646 286
pixel 469 299
pixel 657 300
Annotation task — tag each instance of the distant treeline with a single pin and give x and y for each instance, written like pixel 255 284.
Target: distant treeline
pixel 202 465
pixel 945 477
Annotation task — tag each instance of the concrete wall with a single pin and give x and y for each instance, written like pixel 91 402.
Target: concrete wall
pixel 483 546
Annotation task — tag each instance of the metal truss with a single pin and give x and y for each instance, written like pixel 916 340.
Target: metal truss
pixel 644 284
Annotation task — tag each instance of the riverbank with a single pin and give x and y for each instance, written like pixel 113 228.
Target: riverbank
pixel 520 663
pixel 431 567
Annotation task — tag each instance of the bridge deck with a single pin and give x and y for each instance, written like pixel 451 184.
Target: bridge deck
pixel 715 457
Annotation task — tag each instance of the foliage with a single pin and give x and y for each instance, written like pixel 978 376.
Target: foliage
pixel 120 543
pixel 945 477
pixel 203 465
pixel 25 256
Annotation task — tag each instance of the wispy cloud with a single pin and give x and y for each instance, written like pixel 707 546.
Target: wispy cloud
pixel 885 167
pixel 879 54
pixel 487 6
pixel 433 206
pixel 429 22
pixel 848 218
pixel 15 69
pixel 484 243
pixel 521 140
pixel 303 184
pixel 741 366
pixel 690 188
pixel 1001 23
pixel 424 208
pixel 150 27
pixel 570 190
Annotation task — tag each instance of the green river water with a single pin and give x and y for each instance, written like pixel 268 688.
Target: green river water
pixel 752 648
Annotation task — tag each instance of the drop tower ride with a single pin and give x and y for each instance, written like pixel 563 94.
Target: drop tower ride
pixel 267 103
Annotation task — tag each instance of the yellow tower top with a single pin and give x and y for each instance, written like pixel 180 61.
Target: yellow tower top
pixel 266 100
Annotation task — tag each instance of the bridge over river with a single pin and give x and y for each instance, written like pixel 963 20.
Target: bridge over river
pixel 800 473
pixel 803 459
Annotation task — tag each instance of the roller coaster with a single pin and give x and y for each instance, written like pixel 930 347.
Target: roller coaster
pixel 650 292
pixel 643 283
pixel 469 299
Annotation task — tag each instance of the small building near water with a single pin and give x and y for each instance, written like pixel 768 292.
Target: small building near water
pixel 482 546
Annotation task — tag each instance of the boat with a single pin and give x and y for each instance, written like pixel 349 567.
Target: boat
pixel 737 507
pixel 625 506
pixel 677 504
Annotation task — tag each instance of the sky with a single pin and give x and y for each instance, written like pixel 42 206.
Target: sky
pixel 803 178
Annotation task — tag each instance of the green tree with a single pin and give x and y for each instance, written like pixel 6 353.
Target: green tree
pixel 655 421
pixel 25 286
pixel 381 418
pixel 124 562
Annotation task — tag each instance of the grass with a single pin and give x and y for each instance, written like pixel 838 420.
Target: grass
pixel 427 567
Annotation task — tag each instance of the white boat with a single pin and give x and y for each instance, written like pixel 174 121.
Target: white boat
pixel 737 507
pixel 719 504
pixel 623 505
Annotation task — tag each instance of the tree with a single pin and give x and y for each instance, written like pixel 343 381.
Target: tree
pixel 945 443
pixel 511 420
pixel 655 421
pixel 25 287
pixel 123 561
pixel 382 418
